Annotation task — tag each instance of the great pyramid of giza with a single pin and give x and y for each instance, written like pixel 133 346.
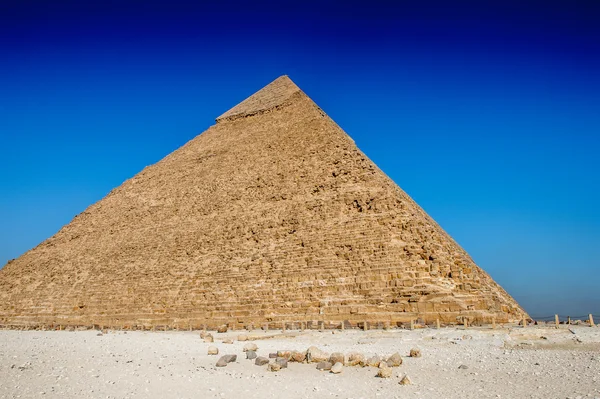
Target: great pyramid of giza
pixel 271 215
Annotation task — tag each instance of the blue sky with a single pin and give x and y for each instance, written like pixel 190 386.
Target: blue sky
pixel 487 114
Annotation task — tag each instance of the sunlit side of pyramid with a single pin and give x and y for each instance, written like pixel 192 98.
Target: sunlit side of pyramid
pixel 270 215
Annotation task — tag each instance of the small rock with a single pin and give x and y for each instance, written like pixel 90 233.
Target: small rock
pixel 395 360
pixel 463 367
pixel 99 334
pixel 385 372
pixel 222 362
pixel 286 354
pixel 242 337
pixel 250 346
pixel 373 361
pixel 336 357
pixel 228 341
pixel 222 329
pixel 355 358
pixel 324 366
pixel 209 338
pixel 299 357
pixel 415 352
pixel 213 350
pixel 274 367
pixel 316 355
pixel 203 334
pixel 405 381
pixel 272 355
pixel 250 355
pixel 282 361
pixel 261 361
pixel 337 368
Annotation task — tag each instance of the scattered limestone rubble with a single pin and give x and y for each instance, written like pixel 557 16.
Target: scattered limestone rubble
pixel 325 362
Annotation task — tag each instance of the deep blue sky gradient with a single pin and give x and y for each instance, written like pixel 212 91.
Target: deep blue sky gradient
pixel 488 115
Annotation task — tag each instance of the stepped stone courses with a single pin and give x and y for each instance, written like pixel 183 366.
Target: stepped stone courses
pixel 271 215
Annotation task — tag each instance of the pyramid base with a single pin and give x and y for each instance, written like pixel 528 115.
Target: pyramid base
pixel 372 320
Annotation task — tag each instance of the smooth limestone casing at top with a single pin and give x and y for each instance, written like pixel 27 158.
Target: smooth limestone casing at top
pixel 273 214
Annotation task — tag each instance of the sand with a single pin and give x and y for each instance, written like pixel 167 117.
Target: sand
pixel 503 363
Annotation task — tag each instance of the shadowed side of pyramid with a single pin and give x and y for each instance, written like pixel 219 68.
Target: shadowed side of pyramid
pixel 271 215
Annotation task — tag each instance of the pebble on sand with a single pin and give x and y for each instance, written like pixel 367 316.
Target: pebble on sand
pixel 373 361
pixel 405 381
pixel 324 366
pixel 250 346
pixel 395 360
pixel 261 361
pixel 274 367
pixel 336 357
pixel 337 368
pixel 222 362
pixel 384 372
pixel 213 350
pixel 414 352
pixel 282 361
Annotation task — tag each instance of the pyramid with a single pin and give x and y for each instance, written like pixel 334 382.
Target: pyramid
pixel 271 215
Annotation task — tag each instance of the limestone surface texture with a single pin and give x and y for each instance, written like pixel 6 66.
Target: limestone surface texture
pixel 271 215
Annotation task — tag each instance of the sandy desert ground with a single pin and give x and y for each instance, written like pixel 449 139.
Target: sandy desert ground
pixel 535 362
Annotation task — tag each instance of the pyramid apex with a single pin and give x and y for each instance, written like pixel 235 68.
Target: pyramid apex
pixel 275 94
